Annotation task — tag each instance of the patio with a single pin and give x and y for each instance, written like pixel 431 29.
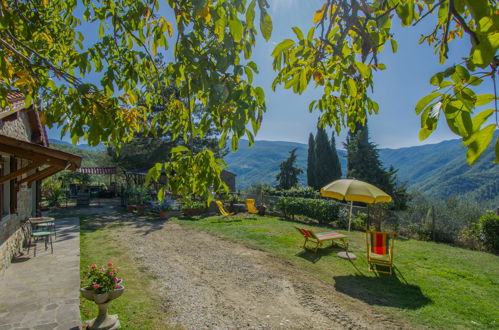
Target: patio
pixel 42 292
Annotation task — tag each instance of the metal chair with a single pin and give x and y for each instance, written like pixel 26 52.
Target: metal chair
pixel 36 233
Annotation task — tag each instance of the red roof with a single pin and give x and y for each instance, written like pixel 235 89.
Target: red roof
pixel 97 170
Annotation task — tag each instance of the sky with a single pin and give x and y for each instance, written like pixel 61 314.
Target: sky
pixel 397 89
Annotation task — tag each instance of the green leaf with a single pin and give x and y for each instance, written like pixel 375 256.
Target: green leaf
pixel 478 143
pixel 250 14
pixel 461 74
pixel 497 152
pixel 479 119
pixel 484 99
pixel 298 33
pixel 260 95
pixel 179 149
pixel 364 69
pixel 437 79
pixel 394 45
pixel 161 194
pixel 421 105
pixel 234 143
pixel 424 133
pixel 236 29
pixel 101 30
pixel 352 87
pixel 265 25
pixel 282 46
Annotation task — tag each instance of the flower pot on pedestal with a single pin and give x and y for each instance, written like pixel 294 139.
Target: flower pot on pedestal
pixel 103 320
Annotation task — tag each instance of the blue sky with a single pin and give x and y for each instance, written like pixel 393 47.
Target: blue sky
pixel 397 89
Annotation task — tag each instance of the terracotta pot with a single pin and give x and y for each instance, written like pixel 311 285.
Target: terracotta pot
pixel 141 208
pixel 103 320
pixel 131 208
pixel 191 212
pixel 163 214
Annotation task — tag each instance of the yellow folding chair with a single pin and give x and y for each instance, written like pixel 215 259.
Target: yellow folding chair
pixel 250 204
pixel 222 209
pixel 379 250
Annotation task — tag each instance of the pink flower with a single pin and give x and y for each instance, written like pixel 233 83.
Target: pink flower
pixel 111 273
pixel 94 266
pixel 117 286
pixel 116 279
pixel 103 270
pixel 109 264
pixel 96 286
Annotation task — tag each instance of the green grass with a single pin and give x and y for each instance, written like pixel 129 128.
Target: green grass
pixel 140 306
pixel 435 285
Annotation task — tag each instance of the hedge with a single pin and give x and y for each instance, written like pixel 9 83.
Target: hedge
pixel 323 211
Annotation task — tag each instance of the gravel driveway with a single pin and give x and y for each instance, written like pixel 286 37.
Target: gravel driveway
pixel 212 283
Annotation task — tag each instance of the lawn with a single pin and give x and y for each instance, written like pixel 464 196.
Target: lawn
pixel 140 307
pixel 435 285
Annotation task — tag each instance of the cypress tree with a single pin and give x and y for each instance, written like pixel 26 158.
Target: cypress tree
pixel 311 162
pixel 324 159
pixel 336 166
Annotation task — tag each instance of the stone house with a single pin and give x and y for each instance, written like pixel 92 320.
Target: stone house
pixel 229 179
pixel 25 160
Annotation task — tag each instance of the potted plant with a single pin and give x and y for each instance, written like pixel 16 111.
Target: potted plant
pixel 164 210
pixel 193 208
pixel 143 196
pixel 102 286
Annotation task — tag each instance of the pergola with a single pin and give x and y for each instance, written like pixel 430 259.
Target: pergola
pixel 48 161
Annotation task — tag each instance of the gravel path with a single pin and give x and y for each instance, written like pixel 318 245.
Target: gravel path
pixel 212 283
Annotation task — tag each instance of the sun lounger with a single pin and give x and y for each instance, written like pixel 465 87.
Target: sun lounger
pixel 319 238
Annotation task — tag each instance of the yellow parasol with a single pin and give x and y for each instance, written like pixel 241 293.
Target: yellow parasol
pixel 355 191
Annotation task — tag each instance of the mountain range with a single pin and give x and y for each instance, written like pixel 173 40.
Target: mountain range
pixel 439 170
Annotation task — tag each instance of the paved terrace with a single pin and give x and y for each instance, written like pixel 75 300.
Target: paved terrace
pixel 42 292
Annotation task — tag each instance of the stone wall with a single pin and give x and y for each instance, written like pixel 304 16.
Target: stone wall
pixel 11 233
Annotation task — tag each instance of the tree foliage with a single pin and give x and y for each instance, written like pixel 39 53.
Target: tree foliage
pixel 288 175
pixel 340 54
pixel 363 164
pixel 44 55
pixel 311 162
pixel 327 168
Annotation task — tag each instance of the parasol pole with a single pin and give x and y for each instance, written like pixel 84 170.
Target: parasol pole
pixel 350 216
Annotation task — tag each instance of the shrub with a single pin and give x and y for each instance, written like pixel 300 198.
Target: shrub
pixel 321 210
pixel 303 192
pixel 489 224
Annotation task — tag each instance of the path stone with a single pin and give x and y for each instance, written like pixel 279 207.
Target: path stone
pixel 42 292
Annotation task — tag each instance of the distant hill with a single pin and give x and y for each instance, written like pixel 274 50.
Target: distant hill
pixel 260 163
pixel 439 170
pixel 90 158
pixel 100 147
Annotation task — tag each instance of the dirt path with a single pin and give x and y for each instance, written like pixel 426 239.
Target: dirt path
pixel 213 283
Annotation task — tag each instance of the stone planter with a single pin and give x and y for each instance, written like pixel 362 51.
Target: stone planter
pixel 103 320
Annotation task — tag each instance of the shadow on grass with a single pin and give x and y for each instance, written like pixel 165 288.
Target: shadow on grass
pixel 382 290
pixel 308 254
